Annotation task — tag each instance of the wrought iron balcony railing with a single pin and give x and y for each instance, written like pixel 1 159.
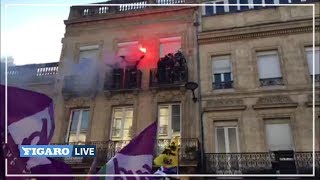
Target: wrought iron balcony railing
pixel 271 81
pixel 188 153
pixel 77 12
pixel 261 163
pixel 223 85
pixel 31 73
pixel 168 77
pixel 123 79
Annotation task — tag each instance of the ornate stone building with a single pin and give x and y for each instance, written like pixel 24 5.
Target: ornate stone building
pixel 252 112
pixel 256 87
pixel 113 86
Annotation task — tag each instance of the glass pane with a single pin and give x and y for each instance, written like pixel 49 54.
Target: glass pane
pixel 82 138
pixel 227 77
pixel 176 110
pixel 72 138
pixel 118 113
pixel 116 127
pixel 217 78
pixel 221 140
pixel 176 123
pixel 175 118
pixel 129 113
pixel 233 146
pixel 164 111
pixel 85 120
pixel 75 121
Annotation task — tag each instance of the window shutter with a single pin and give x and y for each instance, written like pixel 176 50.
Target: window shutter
pixel 221 65
pixel 269 65
pixel 279 137
pixel 316 60
pixel 169 45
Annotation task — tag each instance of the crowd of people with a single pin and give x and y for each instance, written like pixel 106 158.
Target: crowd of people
pixel 171 68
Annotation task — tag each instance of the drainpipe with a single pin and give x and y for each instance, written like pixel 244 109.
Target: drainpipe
pixel 197 24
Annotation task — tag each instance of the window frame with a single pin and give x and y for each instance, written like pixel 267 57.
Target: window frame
pixel 170 133
pixel 123 118
pixel 308 49
pixel 79 123
pixel 220 58
pixel 226 138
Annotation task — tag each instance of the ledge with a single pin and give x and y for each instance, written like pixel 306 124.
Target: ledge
pixel 271 106
pixel 226 108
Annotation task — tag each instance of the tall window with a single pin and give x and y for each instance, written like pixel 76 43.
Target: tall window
pixel 169 45
pixel 227 139
pixel 169 120
pixel 269 68
pixel 122 123
pixel 278 135
pixel 309 53
pixel 222 73
pixel 78 126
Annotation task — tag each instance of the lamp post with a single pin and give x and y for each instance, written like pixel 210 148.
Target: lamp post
pixel 192 86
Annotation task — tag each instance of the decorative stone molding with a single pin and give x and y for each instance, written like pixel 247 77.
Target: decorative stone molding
pixel 169 96
pixel 316 100
pixel 251 35
pixel 225 104
pixel 274 102
pixel 125 98
pixel 78 102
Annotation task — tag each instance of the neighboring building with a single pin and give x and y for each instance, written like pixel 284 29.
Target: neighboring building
pixel 256 87
pixel 106 99
pixel 36 77
pixel 253 113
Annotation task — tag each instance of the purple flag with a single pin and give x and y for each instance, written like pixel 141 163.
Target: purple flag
pixel 30 122
pixel 135 158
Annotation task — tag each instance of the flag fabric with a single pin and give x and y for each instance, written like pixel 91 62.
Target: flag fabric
pixel 169 158
pixel 30 122
pixel 135 158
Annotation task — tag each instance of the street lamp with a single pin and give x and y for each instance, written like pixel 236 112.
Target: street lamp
pixel 192 86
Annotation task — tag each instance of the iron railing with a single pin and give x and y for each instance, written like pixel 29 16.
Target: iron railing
pixel 316 77
pixel 123 79
pixel 168 77
pixel 271 81
pixel 77 12
pixel 188 153
pixel 32 73
pixel 261 163
pixel 223 85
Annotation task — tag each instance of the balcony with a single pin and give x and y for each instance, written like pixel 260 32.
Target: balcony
pixel 123 80
pixel 261 163
pixel 31 74
pixel 127 6
pixel 223 85
pixel 79 85
pixel 172 71
pixel 316 77
pixel 271 82
pixel 189 149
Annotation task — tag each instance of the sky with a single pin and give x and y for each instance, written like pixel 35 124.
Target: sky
pixel 31 31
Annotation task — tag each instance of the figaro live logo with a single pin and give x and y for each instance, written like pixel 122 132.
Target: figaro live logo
pixel 57 150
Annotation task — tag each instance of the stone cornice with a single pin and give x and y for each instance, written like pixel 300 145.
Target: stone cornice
pixel 258 31
pixel 125 15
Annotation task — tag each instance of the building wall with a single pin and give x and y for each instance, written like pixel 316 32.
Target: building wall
pixel 147 29
pixel 287 30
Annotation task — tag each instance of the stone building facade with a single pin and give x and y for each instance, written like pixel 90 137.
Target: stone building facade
pixel 252 64
pixel 256 84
